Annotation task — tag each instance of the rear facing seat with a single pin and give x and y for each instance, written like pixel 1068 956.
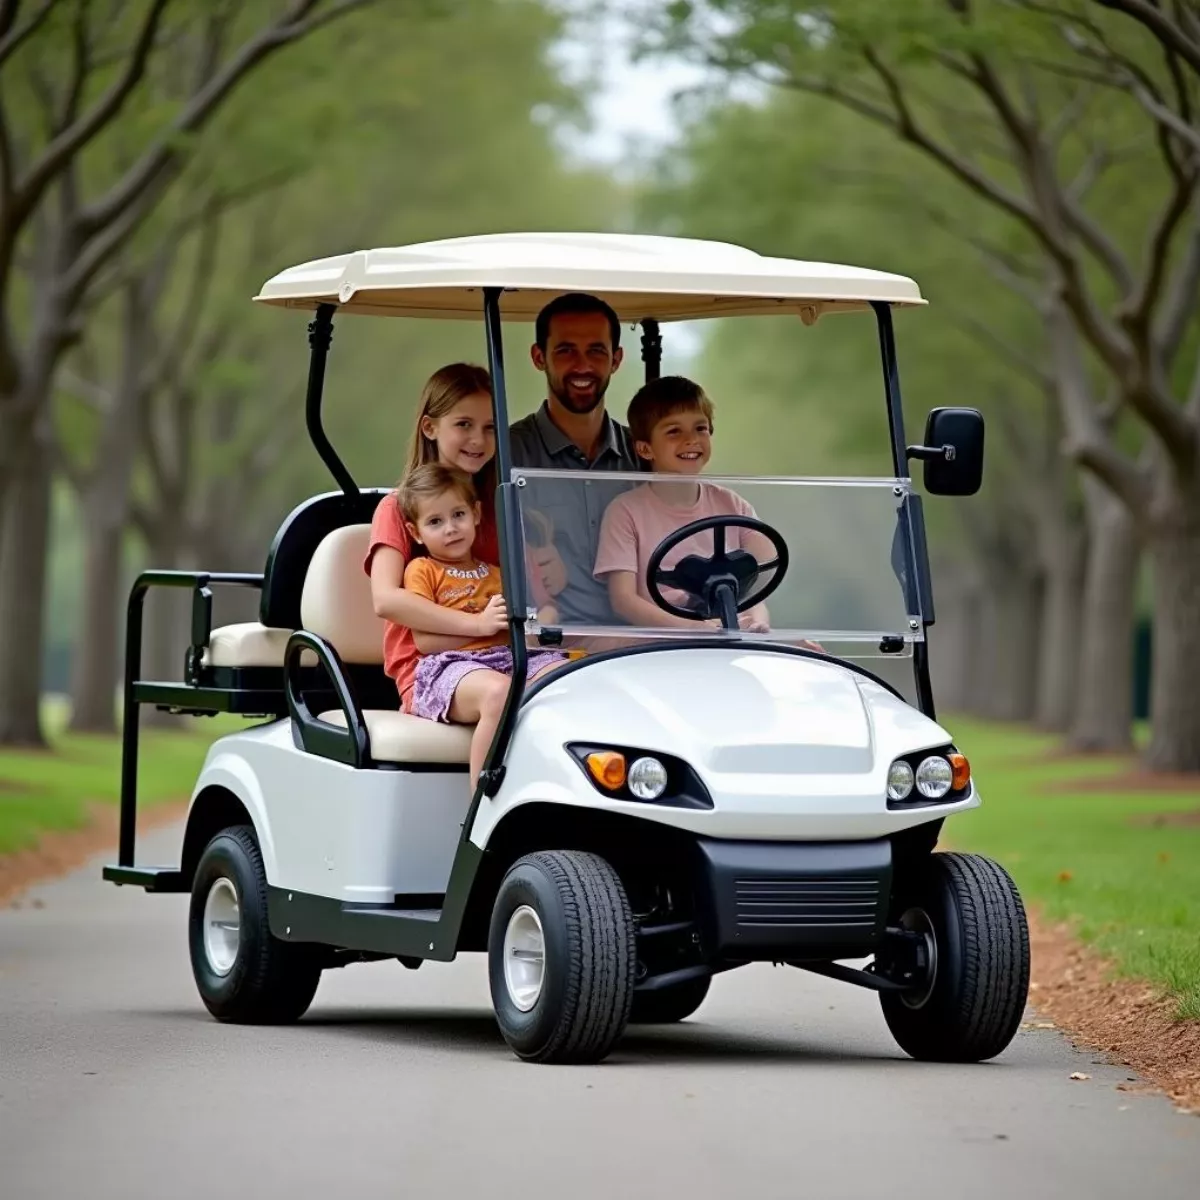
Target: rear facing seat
pixel 314 580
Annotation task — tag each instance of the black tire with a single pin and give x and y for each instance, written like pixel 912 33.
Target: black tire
pixel 667 1005
pixel 270 982
pixel 981 980
pixel 589 957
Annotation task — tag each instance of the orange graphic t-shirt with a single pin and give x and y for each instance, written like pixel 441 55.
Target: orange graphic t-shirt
pixel 467 589
pixel 387 529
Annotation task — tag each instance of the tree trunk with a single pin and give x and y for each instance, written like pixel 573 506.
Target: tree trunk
pixel 1010 613
pixel 1104 700
pixel 94 672
pixel 25 541
pixel 105 504
pixel 1059 647
pixel 1174 547
pixel 166 630
pixel 954 640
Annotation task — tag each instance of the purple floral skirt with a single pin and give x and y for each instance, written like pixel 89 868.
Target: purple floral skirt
pixel 438 675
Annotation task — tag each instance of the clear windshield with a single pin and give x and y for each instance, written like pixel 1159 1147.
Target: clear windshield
pixel 829 560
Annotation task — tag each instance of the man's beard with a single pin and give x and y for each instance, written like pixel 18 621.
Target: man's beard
pixel 580 405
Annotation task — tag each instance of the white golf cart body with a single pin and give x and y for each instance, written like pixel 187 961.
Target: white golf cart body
pixel 777 822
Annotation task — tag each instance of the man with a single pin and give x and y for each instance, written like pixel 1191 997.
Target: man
pixel 578 349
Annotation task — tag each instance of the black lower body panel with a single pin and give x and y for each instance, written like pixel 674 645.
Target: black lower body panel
pixel 767 901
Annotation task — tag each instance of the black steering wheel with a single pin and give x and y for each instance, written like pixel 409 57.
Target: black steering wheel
pixel 722 583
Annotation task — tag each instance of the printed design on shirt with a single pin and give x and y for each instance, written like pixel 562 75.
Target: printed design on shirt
pixel 468 590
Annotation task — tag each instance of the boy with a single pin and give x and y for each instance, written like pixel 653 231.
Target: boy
pixel 671 422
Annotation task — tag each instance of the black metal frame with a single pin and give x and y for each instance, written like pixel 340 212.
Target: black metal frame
pixel 916 518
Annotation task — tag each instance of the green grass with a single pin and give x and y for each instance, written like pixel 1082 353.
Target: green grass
pixel 44 790
pixel 1131 890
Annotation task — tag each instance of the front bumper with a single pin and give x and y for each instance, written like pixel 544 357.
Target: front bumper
pixel 791 901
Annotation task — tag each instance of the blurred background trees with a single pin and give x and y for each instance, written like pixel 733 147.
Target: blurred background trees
pixel 1032 163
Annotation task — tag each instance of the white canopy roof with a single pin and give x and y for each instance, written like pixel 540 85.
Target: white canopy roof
pixel 671 279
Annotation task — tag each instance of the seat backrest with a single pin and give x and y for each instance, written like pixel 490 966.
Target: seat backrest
pixel 302 531
pixel 336 600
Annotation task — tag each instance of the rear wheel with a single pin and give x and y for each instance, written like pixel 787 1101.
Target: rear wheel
pixel 561 957
pixel 665 1006
pixel 244 974
pixel 970 1005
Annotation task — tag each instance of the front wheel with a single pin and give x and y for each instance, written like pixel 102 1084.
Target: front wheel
pixel 970 1005
pixel 244 974
pixel 561 957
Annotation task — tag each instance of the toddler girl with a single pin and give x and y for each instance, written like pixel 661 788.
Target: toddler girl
pixel 464 679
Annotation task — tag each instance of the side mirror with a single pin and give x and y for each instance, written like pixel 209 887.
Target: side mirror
pixel 953 452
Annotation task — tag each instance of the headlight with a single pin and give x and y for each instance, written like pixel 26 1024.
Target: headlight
pixel 900 780
pixel 647 779
pixel 647 776
pixel 935 777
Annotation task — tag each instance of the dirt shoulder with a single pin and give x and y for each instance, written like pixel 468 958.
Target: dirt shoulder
pixel 1125 1019
pixel 60 851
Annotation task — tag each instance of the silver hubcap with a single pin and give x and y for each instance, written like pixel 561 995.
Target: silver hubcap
pixel 222 926
pixel 524 957
pixel 917 921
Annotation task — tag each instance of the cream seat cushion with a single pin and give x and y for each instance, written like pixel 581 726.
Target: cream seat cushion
pixel 398 737
pixel 335 603
pixel 250 644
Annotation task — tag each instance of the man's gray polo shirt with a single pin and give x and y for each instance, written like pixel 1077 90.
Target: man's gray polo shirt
pixel 575 509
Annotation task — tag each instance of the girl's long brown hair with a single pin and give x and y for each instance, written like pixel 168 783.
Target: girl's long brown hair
pixel 444 389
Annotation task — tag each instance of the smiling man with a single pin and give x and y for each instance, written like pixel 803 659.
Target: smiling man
pixel 578 348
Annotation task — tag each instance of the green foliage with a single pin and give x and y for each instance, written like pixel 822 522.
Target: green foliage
pixel 400 124
pixel 42 792
pixel 1122 866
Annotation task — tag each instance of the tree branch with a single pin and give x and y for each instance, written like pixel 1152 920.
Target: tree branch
pixel 1054 202
pixel 1183 291
pixel 1002 348
pixel 1148 14
pixel 70 141
pixel 166 152
pixel 1044 222
pixel 11 38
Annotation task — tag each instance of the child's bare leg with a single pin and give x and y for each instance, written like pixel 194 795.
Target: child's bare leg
pixel 479 701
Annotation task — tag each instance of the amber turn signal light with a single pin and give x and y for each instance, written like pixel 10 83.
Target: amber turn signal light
pixel 607 768
pixel 961 770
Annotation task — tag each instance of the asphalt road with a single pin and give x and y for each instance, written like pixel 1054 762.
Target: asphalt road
pixel 114 1082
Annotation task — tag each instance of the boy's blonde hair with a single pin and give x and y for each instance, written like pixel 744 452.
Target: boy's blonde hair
pixel 663 398
pixel 430 480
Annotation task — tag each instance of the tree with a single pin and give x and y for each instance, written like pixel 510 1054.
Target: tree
pixel 220 422
pixel 1007 68
pixel 64 215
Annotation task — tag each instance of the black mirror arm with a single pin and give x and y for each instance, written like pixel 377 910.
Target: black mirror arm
pixel 947 452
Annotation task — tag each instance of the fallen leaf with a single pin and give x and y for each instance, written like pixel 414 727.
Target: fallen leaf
pixel 1065 877
pixel 1080 1075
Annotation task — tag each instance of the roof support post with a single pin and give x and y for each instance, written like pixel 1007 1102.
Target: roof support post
pixel 320 335
pixel 651 349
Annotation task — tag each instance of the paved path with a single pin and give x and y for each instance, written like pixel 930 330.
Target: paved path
pixel 114 1082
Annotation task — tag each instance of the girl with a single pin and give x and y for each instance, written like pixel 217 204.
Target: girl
pixel 468 682
pixel 454 428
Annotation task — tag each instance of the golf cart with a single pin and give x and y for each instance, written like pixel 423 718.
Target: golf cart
pixel 667 805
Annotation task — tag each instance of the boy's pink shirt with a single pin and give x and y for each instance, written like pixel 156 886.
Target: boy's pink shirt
pixel 636 522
